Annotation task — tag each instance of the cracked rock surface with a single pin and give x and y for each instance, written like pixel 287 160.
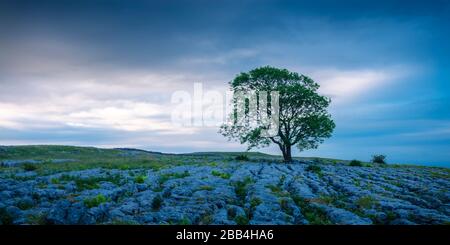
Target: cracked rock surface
pixel 215 191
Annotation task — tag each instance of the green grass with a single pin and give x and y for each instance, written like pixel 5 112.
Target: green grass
pixel 184 221
pixel 366 202
pixel 254 202
pixel 37 219
pixel 220 174
pixel 315 169
pixel 284 204
pixel 241 220
pixel 95 201
pixel 82 158
pixel 241 187
pixel 140 179
pixel 277 190
pixel 88 183
pixel 205 188
pixel 314 215
pixel 177 175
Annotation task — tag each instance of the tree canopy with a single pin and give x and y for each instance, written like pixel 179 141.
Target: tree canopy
pixel 289 99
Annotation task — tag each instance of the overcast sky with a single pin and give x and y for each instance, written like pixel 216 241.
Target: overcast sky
pixel 101 73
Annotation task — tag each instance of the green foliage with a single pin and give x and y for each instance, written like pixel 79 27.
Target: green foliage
pixel 37 219
pixel 167 176
pixel 366 202
pixel 274 188
pixel 314 215
pixel 303 118
pixel 277 190
pixel 355 163
pixel 157 202
pixel 284 204
pixel 88 183
pixel 220 174
pixel 95 201
pixel 242 158
pixel 29 167
pixel 24 205
pixel 254 202
pixel 184 221
pixel 241 186
pixel 314 168
pixel 124 167
pixel 241 220
pixel 390 216
pixel 55 181
pixel 140 179
pixel 381 159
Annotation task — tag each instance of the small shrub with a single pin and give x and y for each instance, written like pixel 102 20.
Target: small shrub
pixel 314 168
pixel 37 219
pixel 274 188
pixel 381 159
pixel 240 187
pixel 184 221
pixel 181 175
pixel 165 177
pixel 140 179
pixel 390 216
pixel 220 174
pixel 366 202
pixel 241 220
pixel 86 184
pixel 242 158
pixel 355 163
pixel 55 181
pixel 95 201
pixel 24 204
pixel 91 182
pixel 29 167
pixel 255 202
pixel 157 202
pixel 314 215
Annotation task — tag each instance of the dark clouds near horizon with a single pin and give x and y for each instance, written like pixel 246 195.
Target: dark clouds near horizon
pixel 77 70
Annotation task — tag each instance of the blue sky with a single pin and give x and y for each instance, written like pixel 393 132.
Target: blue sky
pixel 101 73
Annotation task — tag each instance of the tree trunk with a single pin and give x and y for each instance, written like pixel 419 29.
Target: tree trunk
pixel 286 150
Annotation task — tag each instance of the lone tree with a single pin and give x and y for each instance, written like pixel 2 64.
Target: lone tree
pixel 302 117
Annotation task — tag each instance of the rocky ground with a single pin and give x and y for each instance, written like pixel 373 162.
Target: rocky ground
pixel 228 192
